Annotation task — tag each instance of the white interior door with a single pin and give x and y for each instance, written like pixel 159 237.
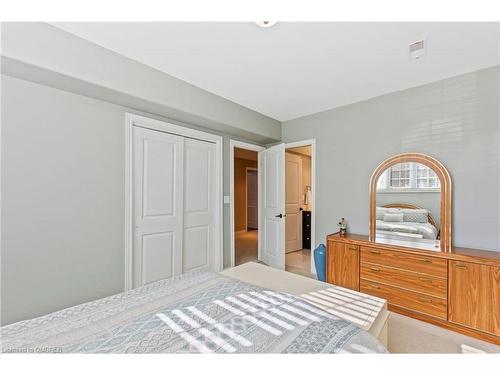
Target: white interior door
pixel 252 199
pixel 158 205
pixel 293 200
pixel 199 206
pixel 272 206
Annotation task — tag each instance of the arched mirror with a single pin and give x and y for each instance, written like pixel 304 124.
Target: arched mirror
pixel 410 203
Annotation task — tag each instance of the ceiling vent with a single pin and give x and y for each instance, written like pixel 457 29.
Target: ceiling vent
pixel 417 50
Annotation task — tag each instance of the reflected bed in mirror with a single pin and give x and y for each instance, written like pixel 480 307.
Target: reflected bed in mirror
pixel 407 222
pixel 409 198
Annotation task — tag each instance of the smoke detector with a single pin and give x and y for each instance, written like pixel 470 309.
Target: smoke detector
pixel 417 50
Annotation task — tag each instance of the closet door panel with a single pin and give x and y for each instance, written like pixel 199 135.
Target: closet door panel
pixel 157 256
pixel 199 210
pixel 158 184
pixel 158 160
pixel 196 248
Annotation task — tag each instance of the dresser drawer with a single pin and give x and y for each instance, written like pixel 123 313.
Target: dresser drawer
pixel 411 262
pixel 407 299
pixel 421 283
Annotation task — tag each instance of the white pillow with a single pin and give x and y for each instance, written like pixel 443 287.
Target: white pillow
pixel 382 210
pixel 393 217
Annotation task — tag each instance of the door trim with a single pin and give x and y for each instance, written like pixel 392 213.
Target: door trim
pixel 246 193
pixel 132 120
pixel 245 146
pixel 312 143
pixel 301 194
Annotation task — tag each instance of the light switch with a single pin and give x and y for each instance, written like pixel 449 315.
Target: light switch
pixel 227 199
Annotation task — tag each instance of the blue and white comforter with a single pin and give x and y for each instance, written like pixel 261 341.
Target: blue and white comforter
pixel 193 313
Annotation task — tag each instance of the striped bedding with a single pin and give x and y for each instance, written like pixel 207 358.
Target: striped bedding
pixel 198 312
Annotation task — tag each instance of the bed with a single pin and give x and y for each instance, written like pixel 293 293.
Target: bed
pixel 409 229
pixel 415 222
pixel 199 312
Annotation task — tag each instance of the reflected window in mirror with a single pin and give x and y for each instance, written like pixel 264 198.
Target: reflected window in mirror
pixel 405 177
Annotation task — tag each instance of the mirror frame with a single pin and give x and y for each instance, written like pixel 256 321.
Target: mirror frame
pixel 445 181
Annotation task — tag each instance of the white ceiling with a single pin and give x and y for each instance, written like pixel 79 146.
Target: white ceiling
pixel 295 69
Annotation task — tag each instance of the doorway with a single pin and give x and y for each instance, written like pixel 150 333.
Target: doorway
pixel 245 202
pixel 298 209
pixel 271 234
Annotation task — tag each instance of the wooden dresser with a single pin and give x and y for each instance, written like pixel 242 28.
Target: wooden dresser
pixel 458 290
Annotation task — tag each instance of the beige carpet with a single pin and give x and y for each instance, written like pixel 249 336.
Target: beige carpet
pixel 407 335
pixel 245 247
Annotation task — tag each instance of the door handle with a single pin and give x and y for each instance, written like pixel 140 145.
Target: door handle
pixel 281 216
pixel 301 209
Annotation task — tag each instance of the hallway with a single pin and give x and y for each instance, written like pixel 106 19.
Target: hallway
pixel 246 250
pixel 246 247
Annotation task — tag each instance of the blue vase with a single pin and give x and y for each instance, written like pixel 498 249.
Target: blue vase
pixel 320 262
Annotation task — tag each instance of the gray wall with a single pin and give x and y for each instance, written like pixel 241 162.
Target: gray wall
pixel 63 199
pixel 455 120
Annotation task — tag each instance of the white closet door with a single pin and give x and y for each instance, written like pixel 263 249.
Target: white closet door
pixel 199 205
pixel 158 209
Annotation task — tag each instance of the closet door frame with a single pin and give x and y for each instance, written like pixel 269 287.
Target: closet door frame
pixel 132 120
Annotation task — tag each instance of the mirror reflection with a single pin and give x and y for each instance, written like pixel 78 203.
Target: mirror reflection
pixel 408 204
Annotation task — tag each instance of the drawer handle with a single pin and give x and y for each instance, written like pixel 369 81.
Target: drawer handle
pixel 374 251
pixel 428 300
pixel 426 260
pixel 376 269
pixel 461 266
pixel 375 286
pixel 425 280
pixel 352 247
